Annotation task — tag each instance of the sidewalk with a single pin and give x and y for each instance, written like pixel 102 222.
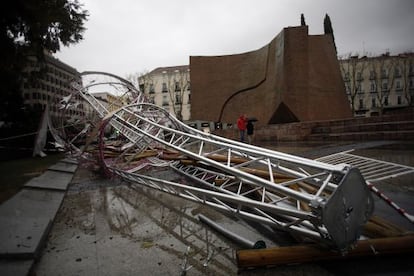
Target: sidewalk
pixel 27 217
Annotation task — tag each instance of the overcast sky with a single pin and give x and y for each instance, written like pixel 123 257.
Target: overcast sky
pixel 134 36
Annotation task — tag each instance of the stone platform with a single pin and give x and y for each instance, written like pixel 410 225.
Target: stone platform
pixel 26 218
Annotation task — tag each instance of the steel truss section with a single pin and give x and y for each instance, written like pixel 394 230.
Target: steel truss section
pixel 373 170
pixel 315 200
pixel 323 202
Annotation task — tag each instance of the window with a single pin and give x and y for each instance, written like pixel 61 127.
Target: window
pixel 177 98
pixel 151 88
pixel 164 87
pixel 386 101
pixel 189 98
pixel 359 76
pixel 372 74
pixel 177 86
pixel 359 88
pixel 384 86
pixel 397 72
pixel 373 87
pixel 399 100
pixel 361 104
pixel 373 102
pixel 384 73
pixel 398 85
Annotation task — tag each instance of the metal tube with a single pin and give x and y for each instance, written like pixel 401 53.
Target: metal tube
pixel 245 243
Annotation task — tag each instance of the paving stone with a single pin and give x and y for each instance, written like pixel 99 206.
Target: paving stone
pixel 51 180
pixel 64 167
pixel 15 267
pixel 69 160
pixel 25 220
pixel 22 238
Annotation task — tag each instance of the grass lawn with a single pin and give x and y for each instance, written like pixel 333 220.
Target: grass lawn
pixel 15 173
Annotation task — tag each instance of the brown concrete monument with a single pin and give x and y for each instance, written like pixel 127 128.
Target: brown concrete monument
pixel 295 78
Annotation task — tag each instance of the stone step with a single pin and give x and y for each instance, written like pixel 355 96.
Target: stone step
pixel 363 136
pixel 388 126
pixel 378 126
pixel 26 218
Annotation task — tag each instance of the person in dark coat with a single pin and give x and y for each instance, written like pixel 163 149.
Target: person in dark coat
pixel 250 131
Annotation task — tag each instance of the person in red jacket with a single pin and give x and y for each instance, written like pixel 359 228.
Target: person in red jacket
pixel 241 125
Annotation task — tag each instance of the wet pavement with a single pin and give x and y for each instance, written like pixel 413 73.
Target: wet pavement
pixel 109 227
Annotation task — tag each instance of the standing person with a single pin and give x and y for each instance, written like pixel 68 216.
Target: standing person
pixel 250 130
pixel 241 125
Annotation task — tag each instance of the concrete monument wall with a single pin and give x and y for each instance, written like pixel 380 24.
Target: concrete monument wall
pixel 296 77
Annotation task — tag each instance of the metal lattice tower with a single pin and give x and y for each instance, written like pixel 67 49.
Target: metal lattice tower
pixel 310 199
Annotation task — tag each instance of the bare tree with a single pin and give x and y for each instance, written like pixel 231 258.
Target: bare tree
pixel 133 78
pixel 383 77
pixel 352 69
pixel 145 82
pixel 177 82
pixel 406 66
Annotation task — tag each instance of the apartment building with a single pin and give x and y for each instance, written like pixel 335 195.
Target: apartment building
pixel 110 101
pixel 169 87
pixel 48 83
pixel 380 84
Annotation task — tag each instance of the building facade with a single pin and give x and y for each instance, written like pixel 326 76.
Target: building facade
pixel 169 87
pixel 49 84
pixel 110 101
pixel 377 85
